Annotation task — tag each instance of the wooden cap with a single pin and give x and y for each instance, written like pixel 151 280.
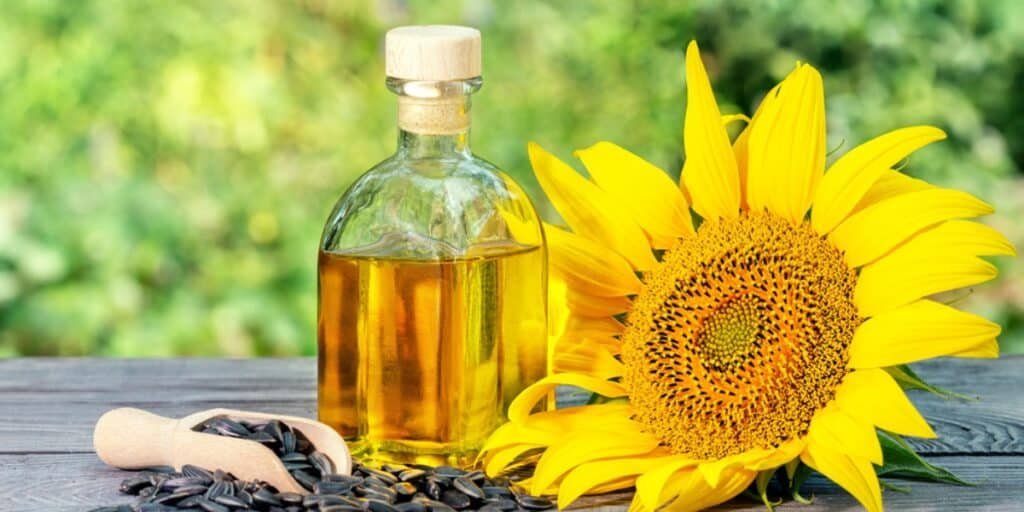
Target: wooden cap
pixel 432 52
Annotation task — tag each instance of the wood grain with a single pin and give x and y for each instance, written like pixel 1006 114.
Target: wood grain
pixel 78 481
pixel 49 406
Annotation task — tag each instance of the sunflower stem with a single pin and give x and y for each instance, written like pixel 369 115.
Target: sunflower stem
pixel 800 475
pixel 762 481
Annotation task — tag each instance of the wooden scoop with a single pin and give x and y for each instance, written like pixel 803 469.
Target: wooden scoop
pixel 134 439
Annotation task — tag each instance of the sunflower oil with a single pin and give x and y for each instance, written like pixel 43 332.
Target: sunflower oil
pixel 432 275
pixel 411 351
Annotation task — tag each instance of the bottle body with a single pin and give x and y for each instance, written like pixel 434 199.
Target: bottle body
pixel 432 304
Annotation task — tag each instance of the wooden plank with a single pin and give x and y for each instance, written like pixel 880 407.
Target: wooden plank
pixel 55 402
pixel 79 481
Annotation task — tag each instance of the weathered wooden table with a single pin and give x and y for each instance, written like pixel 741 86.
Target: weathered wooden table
pixel 48 408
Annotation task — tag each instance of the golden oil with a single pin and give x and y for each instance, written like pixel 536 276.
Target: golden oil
pixel 420 358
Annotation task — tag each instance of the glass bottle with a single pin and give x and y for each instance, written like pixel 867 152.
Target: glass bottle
pixel 431 275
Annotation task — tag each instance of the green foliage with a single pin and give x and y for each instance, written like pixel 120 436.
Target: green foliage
pixel 901 461
pixel 908 379
pixel 166 167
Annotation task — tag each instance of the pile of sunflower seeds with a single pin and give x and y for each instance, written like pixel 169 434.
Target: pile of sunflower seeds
pixel 306 465
pixel 392 488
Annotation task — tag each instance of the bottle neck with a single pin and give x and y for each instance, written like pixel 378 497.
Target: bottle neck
pixel 433 117
pixel 425 145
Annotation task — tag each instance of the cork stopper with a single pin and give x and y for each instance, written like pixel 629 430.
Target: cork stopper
pixel 432 52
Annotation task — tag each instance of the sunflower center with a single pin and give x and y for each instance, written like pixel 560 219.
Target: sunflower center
pixel 729 333
pixel 740 336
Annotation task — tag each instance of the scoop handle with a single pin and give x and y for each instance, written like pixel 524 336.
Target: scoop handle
pixel 131 438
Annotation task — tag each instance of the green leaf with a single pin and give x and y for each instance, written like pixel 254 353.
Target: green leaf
pixel 901 461
pixel 907 379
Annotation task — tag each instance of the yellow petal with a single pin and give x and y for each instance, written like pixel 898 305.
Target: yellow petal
pixel 588 359
pixel 873 396
pixel 585 304
pixel 642 189
pixel 587 267
pixel 557 423
pixel 740 148
pixel 688 491
pixel 592 327
pixel 987 349
pixel 728 119
pixel 891 184
pixel 787 147
pixel 891 282
pixel 875 230
pixel 513 434
pixel 846 434
pixel 850 177
pixel 496 461
pixel 587 477
pixel 571 343
pixel 651 485
pixel 590 211
pixel 709 172
pixel 776 457
pixel 954 237
pixel 920 330
pixel 520 407
pixel 854 474
pixel 583 447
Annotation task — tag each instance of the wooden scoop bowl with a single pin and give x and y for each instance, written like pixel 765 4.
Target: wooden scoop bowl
pixel 135 439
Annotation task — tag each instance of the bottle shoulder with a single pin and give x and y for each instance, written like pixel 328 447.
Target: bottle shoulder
pixel 436 207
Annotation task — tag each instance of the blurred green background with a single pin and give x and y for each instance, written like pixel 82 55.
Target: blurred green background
pixel 166 166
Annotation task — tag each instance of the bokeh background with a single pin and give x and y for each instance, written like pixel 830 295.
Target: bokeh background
pixel 166 166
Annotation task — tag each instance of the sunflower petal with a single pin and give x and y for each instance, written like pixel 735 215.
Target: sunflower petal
pixel 873 396
pixel 514 434
pixel 585 304
pixel 854 474
pixel 584 447
pixel 872 232
pixel 590 211
pixel 604 331
pixel 560 422
pixel 892 183
pixel 988 349
pixel 917 331
pixel 589 359
pixel 787 147
pixel 587 267
pixel 651 485
pixel 688 491
pixel 850 177
pixel 740 148
pixel 890 283
pixel 520 407
pixel 851 436
pixel 496 461
pixel 645 191
pixel 709 172
pixel 586 477
pixel 955 237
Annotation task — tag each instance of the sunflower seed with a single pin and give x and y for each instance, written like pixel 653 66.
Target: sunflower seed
pixel 467 487
pixel 321 463
pixel 456 499
pixel 411 474
pixel 534 502
pixel 210 506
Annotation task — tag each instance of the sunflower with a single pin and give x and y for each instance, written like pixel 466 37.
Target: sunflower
pixel 759 337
